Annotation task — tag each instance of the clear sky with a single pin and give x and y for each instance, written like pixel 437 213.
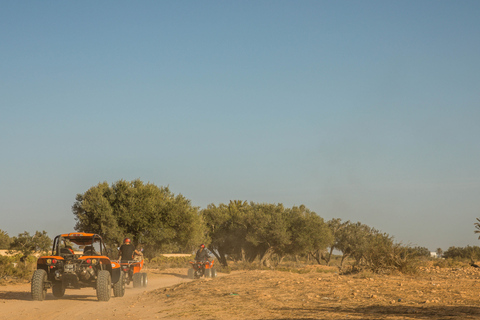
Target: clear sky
pixel 361 110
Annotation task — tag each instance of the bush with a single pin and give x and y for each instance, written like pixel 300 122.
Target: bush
pixel 11 268
pixel 451 263
pixel 468 252
pixel 162 262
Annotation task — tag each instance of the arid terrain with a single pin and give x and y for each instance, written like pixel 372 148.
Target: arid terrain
pixel 316 293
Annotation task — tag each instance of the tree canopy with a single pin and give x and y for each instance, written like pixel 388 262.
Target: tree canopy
pixel 4 240
pixel 162 222
pixel 151 216
pixel 28 244
pixel 245 231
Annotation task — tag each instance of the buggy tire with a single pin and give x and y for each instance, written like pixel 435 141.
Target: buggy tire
pixel 144 280
pixel 198 274
pixel 137 280
pixel 191 274
pixel 39 292
pixel 58 289
pixel 119 287
pixel 208 273
pixel 104 285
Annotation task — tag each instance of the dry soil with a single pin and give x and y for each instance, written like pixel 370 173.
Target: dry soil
pixel 319 293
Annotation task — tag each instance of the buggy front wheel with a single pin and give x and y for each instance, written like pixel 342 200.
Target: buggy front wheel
pixel 39 291
pixel 104 285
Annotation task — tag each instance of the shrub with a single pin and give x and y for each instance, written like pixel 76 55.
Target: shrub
pixel 12 268
pixel 468 252
pixel 162 262
pixel 451 263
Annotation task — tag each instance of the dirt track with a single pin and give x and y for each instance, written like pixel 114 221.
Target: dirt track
pixel 16 301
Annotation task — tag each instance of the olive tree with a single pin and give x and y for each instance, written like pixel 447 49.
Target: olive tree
pixel 4 240
pixel 29 244
pixel 309 233
pixel 152 216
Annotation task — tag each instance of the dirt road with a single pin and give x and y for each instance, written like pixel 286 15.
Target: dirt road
pixel 16 301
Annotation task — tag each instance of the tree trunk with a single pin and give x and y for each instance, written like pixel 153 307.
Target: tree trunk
pixel 221 258
pixel 315 256
pixel 265 261
pixel 344 256
pixel 244 259
pixel 328 257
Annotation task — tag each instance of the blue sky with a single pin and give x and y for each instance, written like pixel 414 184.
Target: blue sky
pixel 361 110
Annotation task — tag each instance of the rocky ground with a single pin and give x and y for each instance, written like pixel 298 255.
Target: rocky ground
pixel 313 293
pixel 433 293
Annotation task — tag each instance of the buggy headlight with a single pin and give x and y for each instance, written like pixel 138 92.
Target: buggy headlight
pixel 94 261
pixel 49 261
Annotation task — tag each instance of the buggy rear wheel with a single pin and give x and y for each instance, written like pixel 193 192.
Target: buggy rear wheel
pixel 137 280
pixel 58 289
pixel 144 280
pixel 119 287
pixel 208 273
pixel 39 292
pixel 104 285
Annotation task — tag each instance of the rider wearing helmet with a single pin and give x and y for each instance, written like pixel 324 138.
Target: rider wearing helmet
pixel 127 251
pixel 202 254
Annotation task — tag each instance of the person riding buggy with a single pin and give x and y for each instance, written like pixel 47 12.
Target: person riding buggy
pixel 131 261
pixel 127 251
pixel 202 254
pixel 202 266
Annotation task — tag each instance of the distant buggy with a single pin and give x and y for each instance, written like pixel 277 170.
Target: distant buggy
pixel 202 268
pixel 78 260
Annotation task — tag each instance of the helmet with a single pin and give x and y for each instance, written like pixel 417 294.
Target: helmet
pixel 126 240
pixel 202 246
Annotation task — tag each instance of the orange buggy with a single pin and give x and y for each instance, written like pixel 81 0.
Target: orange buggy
pixel 132 269
pixel 202 268
pixel 77 260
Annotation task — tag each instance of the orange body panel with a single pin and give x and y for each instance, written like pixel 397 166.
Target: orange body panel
pixel 135 266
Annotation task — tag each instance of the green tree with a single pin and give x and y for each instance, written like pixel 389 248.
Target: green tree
pixel 246 231
pixel 471 253
pixel 153 217
pixel 336 226
pixel 309 233
pixel 477 226
pixel 227 227
pixel 352 240
pixel 439 252
pixel 269 232
pixel 4 240
pixel 94 213
pixel 28 244
pixel 419 252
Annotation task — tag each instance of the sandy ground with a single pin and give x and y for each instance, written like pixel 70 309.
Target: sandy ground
pixel 16 301
pixel 318 294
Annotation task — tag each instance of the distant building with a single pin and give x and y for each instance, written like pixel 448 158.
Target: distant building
pixel 433 255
